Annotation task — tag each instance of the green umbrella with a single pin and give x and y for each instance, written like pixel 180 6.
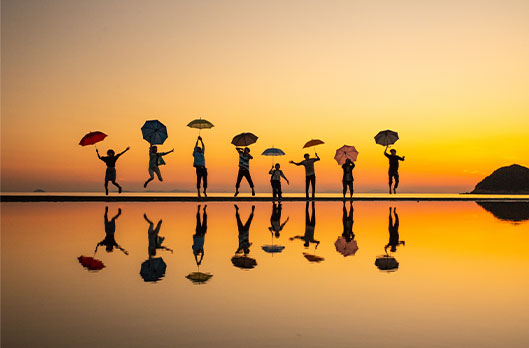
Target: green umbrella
pixel 200 124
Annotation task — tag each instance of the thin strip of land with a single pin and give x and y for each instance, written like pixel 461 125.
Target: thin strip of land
pixel 228 198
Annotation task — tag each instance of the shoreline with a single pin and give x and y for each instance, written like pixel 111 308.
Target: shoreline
pixel 216 198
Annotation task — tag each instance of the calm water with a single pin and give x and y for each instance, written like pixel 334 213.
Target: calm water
pixel 461 280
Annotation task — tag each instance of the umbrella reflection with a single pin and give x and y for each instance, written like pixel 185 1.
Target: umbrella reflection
pixel 90 263
pixel 199 277
pixel 345 244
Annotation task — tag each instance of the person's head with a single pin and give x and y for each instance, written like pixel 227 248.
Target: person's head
pixel 306 156
pixel 393 248
pixel 246 150
pixel 246 250
pixel 348 161
pixel 154 149
pixel 152 251
pixel 277 166
pixel 199 149
pixel 111 153
pixel 393 151
pixel 276 234
pixel 306 244
pixel 109 248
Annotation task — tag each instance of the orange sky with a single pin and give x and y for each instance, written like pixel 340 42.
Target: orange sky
pixel 451 78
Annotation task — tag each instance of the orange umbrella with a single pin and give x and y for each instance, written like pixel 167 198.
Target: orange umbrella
pixel 313 258
pixel 313 142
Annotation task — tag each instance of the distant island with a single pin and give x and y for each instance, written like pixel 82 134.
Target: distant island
pixel 513 179
pixel 39 190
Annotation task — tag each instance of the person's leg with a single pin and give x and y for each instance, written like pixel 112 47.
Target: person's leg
pixel 158 173
pixel 151 178
pixel 199 176
pixel 279 193
pixel 396 175
pixel 344 190
pixel 274 191
pixel 313 180
pixel 106 187
pixel 117 185
pixel 205 180
pixel 238 183
pixel 307 182
pixel 390 175
pixel 351 188
pixel 250 182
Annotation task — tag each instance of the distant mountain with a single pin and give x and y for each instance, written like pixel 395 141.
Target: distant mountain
pixel 39 190
pixel 513 179
pixel 507 211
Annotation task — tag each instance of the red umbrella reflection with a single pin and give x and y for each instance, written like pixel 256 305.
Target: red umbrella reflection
pixel 344 247
pixel 90 263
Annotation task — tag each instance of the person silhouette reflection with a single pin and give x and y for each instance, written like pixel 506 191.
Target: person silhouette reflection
pixel 200 235
pixel 310 225
pixel 347 221
pixel 110 230
pixel 393 232
pixel 244 231
pixel 275 220
pixel 155 241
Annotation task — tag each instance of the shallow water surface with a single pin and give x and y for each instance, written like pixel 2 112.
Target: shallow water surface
pixel 450 274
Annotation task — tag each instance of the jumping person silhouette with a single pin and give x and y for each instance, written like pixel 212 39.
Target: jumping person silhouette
pixel 393 171
pixel 155 160
pixel 110 174
pixel 310 176
pixel 244 169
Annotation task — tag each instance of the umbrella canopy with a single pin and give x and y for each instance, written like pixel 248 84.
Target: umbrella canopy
pixel 387 137
pixel 244 262
pixel 199 277
pixel 344 247
pixel 244 139
pixel 92 138
pixel 154 132
pixel 200 124
pixel 313 258
pixel 273 249
pixel 90 263
pixel 386 263
pixel 273 152
pixel 344 153
pixel 153 270
pixel 313 142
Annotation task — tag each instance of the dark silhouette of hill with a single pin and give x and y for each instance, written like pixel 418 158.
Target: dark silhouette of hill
pixel 507 211
pixel 513 179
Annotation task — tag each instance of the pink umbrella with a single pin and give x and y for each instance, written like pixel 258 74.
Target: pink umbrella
pixel 344 153
pixel 344 247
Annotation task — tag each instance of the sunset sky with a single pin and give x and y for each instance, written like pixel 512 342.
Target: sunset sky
pixel 451 77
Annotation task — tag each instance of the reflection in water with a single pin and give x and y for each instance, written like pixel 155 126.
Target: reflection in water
pixel 198 247
pixel 345 244
pixel 275 228
pixel 310 226
pixel 200 235
pixel 110 230
pixel 388 262
pixel 507 211
pixel 154 268
pixel 243 261
pixel 90 263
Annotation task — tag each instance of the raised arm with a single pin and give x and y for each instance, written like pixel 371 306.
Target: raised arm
pixel 239 150
pixel 97 152
pixel 317 157
pixel 296 163
pixel 127 149
pixel 202 143
pixel 146 218
pixel 117 215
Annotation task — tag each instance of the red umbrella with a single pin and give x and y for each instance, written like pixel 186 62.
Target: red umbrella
pixel 92 138
pixel 90 263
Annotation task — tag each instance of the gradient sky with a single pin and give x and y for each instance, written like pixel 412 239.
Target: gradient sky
pixel 452 78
